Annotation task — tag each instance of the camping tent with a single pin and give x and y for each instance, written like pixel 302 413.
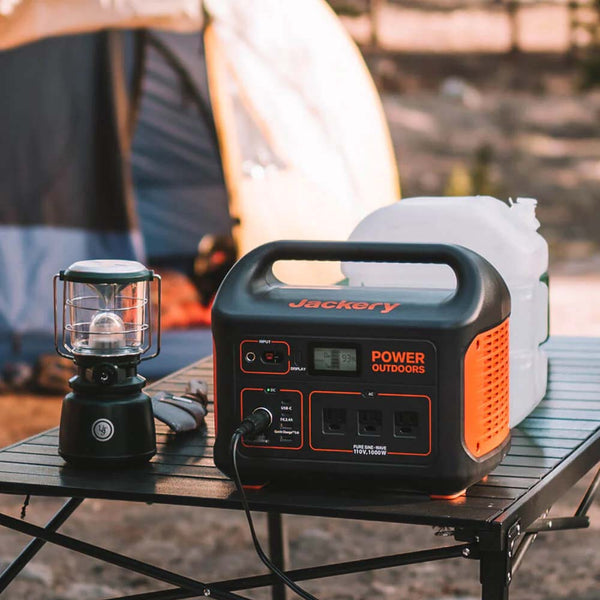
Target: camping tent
pixel 134 144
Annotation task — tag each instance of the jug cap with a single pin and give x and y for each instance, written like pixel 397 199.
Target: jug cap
pixel 524 208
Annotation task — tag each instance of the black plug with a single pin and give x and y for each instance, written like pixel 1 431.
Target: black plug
pixel 258 422
pixel 255 424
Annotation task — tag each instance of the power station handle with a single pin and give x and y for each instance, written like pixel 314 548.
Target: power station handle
pixel 467 265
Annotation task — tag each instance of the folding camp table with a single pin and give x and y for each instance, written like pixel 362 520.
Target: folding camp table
pixel 495 522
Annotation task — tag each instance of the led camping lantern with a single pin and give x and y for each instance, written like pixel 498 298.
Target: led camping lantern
pixel 106 331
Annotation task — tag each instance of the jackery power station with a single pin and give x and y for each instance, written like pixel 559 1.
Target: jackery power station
pixel 406 388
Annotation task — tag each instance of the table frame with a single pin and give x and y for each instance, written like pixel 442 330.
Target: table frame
pixel 497 567
pixel 499 539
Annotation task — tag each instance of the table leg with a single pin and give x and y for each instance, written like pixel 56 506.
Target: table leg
pixel 197 588
pixel 36 544
pixel 589 496
pixel 494 575
pixel 278 551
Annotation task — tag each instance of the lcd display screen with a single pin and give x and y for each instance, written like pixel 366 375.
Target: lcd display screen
pixel 335 359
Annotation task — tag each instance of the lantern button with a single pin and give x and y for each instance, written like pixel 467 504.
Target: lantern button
pixel 105 374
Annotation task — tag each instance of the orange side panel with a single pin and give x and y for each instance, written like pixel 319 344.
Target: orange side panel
pixel 486 391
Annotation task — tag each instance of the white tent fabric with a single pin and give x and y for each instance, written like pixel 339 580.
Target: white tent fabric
pixel 306 148
pixel 24 21
pixel 305 145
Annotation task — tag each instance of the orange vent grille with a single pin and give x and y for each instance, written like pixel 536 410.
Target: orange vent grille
pixel 486 390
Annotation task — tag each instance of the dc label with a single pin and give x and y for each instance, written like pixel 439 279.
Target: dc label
pixel 102 430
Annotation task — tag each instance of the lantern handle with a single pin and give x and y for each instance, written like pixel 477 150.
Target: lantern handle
pixel 158 278
pixel 56 346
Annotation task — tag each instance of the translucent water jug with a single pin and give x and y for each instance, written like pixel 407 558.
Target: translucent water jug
pixel 506 235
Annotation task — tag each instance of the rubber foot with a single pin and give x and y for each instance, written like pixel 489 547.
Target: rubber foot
pixel 447 497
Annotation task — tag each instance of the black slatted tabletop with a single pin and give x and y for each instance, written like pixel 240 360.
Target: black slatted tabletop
pixel 550 451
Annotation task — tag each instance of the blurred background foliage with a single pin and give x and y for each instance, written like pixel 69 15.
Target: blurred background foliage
pixel 494 97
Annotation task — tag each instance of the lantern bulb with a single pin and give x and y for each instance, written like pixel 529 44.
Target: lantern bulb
pixel 107 332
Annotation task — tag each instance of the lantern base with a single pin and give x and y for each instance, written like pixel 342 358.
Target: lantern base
pixel 100 430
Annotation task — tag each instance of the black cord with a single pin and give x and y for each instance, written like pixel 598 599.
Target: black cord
pixel 24 507
pixel 235 440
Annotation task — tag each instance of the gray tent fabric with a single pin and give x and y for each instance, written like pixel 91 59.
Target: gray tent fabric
pixel 60 163
pixel 63 191
pixel 178 175
pixel 65 177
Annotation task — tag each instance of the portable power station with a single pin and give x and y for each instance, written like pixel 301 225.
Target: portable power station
pixel 406 388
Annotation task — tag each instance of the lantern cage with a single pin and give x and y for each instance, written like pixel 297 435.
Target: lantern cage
pixel 106 309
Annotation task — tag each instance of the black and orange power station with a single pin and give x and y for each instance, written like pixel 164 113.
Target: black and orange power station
pixel 405 388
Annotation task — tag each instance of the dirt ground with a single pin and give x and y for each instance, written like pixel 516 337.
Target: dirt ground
pixel 512 126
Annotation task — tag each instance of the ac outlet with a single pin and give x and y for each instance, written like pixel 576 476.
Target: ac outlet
pixel 345 420
pixel 335 421
pixel 370 422
pixel 406 423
